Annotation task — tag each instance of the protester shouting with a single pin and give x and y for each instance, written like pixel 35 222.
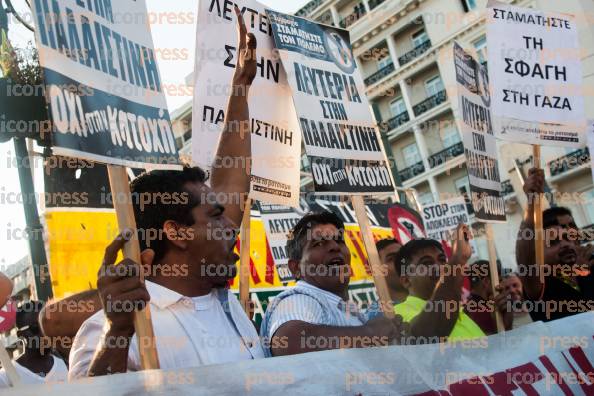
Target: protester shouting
pixel 316 314
pixel 196 319
pixel 565 285
pixel 433 307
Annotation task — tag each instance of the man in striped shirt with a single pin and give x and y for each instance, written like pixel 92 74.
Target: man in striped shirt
pixel 316 314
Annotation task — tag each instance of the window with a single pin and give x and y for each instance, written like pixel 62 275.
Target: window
pixel 433 86
pixel 425 198
pixel 588 206
pixel 480 47
pixel 384 62
pixel 449 135
pixel 463 185
pixel 419 38
pixel 397 106
pixel 411 155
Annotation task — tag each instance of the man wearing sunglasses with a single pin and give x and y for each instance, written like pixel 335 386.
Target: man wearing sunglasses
pixel 36 365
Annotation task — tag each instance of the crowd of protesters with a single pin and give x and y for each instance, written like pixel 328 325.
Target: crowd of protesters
pixel 198 321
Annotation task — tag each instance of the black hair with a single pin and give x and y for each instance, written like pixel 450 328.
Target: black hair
pixel 25 309
pixel 303 228
pixel 384 243
pixel 168 200
pixel 550 217
pixel 409 249
pixel 479 270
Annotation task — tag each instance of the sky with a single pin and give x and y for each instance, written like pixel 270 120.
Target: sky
pixel 179 38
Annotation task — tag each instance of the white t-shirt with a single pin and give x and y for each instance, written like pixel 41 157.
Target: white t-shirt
pixel 58 374
pixel 189 332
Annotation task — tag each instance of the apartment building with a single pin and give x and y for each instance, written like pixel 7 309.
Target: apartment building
pixel 404 49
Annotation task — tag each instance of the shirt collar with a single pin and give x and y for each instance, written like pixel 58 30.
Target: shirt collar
pixel 161 296
pixel 333 298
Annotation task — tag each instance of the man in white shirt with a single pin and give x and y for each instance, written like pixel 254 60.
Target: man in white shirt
pixel 36 365
pixel 316 314
pixel 188 238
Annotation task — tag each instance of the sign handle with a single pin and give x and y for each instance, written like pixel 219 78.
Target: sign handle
pixel 494 273
pixel 244 258
pixel 538 224
pixel 381 286
pixel 118 180
pixel 11 373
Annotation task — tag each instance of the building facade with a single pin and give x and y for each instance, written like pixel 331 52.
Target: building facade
pixel 404 50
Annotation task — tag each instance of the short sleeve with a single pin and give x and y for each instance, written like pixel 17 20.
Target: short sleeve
pixel 295 307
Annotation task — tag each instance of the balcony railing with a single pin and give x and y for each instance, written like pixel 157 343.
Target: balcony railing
pixel 411 171
pixel 415 53
pixel 506 188
pixel 309 8
pixel 445 155
pixel 430 102
pixel 395 122
pixel 381 73
pixel 354 17
pixel 375 3
pixel 569 161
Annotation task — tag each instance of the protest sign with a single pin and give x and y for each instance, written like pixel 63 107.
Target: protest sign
pixel 343 145
pixel 440 219
pixel 276 141
pixel 102 83
pixel 406 223
pixel 553 358
pixel 278 222
pixel 480 146
pixel 536 75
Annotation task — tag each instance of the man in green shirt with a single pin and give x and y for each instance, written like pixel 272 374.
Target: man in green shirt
pixel 433 307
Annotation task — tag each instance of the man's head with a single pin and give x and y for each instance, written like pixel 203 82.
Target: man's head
pixel 480 278
pixel 28 328
pixel 419 262
pixel 513 286
pixel 561 236
pixel 388 250
pixel 318 253
pixel 182 220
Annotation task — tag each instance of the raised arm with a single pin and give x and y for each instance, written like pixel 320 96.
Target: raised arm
pixel 528 270
pixel 434 322
pixel 235 140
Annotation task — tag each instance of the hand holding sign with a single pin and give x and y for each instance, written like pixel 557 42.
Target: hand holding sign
pixel 246 69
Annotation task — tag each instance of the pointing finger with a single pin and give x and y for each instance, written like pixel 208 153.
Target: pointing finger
pixel 242 30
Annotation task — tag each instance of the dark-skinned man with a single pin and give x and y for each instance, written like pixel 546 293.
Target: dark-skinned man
pixel 388 250
pixel 316 314
pixel 196 319
pixel 433 307
pixel 36 365
pixel 565 285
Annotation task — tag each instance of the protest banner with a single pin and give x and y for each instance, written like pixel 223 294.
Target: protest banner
pixel 106 104
pixel 276 141
pixel 535 70
pixel 278 222
pixel 406 223
pixel 343 145
pixel 440 219
pixel 477 135
pixel 548 359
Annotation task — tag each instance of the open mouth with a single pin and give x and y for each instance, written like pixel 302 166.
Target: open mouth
pixel 335 262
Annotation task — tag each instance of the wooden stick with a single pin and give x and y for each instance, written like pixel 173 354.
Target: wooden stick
pixel 381 286
pixel 13 377
pixel 494 273
pixel 538 225
pixel 120 188
pixel 244 259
